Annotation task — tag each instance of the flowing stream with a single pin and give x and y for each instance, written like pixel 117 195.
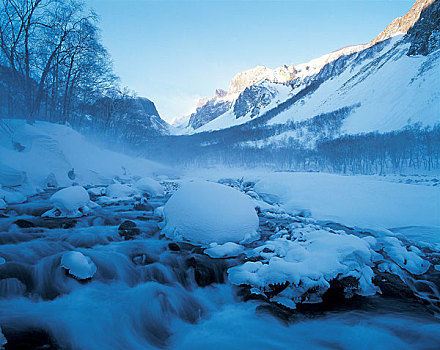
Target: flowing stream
pixel 150 292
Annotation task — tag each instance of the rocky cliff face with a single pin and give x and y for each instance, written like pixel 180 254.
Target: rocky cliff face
pixel 208 111
pixel 403 24
pixel 253 99
pixel 252 76
pixel 424 35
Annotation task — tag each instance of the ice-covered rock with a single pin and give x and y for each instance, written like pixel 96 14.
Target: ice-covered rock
pixel 69 202
pixel 410 260
pixel 120 191
pixel 227 250
pixel 305 264
pixel 3 204
pixel 97 191
pixel 207 212
pixel 78 265
pixel 149 186
pixel 2 261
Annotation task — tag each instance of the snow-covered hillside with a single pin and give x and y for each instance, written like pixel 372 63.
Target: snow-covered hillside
pixel 46 155
pixel 392 86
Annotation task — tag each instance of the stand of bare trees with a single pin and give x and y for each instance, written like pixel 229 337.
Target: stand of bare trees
pixel 51 58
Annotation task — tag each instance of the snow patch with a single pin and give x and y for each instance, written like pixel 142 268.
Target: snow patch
pixel 227 250
pixel 78 265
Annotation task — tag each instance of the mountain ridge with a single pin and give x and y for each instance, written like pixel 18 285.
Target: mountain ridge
pixel 290 75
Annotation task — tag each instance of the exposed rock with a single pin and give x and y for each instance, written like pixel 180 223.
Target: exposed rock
pixel 29 339
pixel 209 111
pixel 252 76
pixel 424 35
pixel 219 93
pixel 404 23
pixel 174 247
pixel 24 223
pixel 128 230
pixel 207 271
pixel 52 223
pixel 143 206
pixel 253 99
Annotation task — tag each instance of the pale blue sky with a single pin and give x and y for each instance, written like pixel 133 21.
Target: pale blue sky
pixel 175 52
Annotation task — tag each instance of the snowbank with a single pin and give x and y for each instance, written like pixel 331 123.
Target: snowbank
pixel 206 212
pixel 69 202
pixel 353 200
pixel 78 265
pixel 149 186
pixel 57 149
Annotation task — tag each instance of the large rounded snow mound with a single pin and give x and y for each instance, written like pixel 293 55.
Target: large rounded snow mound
pixel 149 186
pixel 120 191
pixel 206 212
pixel 69 202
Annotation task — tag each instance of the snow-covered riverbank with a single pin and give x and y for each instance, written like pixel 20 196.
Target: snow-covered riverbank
pixel 258 258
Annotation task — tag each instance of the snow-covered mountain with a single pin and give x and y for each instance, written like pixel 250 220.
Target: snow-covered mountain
pixel 392 81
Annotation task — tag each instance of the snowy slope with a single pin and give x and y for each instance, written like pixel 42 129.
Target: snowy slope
pixel 50 151
pixel 393 90
pixel 391 82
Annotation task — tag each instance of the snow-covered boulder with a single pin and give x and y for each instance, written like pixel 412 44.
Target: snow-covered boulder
pixel 410 260
pixel 97 191
pixel 149 186
pixel 120 191
pixel 69 202
pixel 227 250
pixel 78 265
pixel 206 212
pixel 3 204
pixel 306 264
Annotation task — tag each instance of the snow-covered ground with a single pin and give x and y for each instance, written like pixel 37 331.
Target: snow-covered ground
pixel 361 201
pixel 143 257
pixel 56 155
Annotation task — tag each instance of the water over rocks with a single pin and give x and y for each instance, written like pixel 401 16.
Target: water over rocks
pixel 150 282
